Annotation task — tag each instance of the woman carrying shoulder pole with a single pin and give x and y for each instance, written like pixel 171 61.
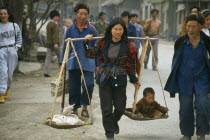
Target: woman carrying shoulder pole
pixel 118 58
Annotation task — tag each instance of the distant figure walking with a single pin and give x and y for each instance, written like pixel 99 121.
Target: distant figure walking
pixel 52 41
pixel 152 30
pixel 101 25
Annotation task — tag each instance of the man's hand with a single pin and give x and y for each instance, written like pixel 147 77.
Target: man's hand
pixel 97 70
pixel 137 84
pixel 88 37
pixel 56 46
pixel 149 21
pixel 17 48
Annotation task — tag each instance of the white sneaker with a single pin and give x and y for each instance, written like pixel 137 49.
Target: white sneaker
pixel 68 110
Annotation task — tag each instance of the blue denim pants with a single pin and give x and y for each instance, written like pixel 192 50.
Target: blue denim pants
pixel 76 84
pixel 201 105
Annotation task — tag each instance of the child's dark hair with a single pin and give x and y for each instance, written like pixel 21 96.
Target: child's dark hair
pixel 154 10
pixel 81 6
pixel 148 90
pixel 54 13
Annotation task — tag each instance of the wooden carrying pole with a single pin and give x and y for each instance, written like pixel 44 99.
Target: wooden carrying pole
pixel 66 55
pixel 94 38
pixel 63 89
pixel 144 50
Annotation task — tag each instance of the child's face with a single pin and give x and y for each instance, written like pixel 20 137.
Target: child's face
pixel 149 98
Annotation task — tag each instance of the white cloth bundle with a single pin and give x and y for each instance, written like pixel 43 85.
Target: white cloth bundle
pixel 62 120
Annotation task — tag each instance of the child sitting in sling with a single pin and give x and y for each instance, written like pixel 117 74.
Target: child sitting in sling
pixel 148 107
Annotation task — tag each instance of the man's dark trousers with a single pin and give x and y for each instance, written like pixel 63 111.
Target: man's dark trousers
pixel 188 103
pixel 77 97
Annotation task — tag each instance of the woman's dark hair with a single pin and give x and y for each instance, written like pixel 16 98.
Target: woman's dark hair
pixel 148 90
pixel 11 17
pixel 134 15
pixel 115 21
pixel 154 10
pixel 195 7
pixel 54 13
pixel 81 6
pixel 195 17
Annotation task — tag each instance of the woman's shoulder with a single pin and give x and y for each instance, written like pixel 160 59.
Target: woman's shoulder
pixel 16 25
pixel 131 46
pixel 12 25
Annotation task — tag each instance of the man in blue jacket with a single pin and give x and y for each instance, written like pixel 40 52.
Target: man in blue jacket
pixel 190 77
pixel 79 29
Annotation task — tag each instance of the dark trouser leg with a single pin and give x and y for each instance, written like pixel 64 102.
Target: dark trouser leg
pixel 74 88
pixel 186 115
pixel 202 114
pixel 89 78
pixel 119 101
pixel 110 96
pixel 106 96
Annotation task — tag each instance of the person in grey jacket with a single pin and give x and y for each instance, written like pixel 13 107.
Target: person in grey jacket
pixel 10 41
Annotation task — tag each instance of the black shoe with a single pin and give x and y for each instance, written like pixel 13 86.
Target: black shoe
pixel 155 69
pixel 110 136
pixel 46 75
pixel 145 66
pixel 117 130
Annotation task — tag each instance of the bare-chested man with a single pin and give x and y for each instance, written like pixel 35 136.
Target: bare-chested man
pixel 152 29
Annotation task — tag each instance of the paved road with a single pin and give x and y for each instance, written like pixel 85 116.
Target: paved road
pixel 30 103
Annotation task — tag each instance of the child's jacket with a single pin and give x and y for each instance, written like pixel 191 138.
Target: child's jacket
pixel 149 110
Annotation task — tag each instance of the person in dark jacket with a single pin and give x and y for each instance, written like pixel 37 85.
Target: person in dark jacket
pixel 118 59
pixel 190 77
pixel 130 27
